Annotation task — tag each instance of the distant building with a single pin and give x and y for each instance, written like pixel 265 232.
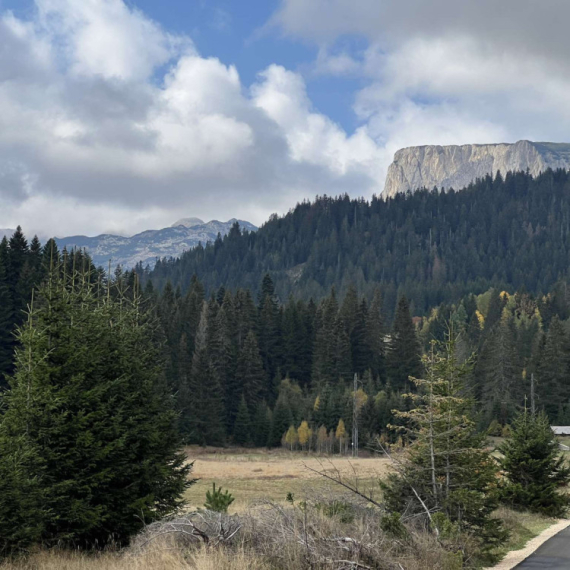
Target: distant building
pixel 561 430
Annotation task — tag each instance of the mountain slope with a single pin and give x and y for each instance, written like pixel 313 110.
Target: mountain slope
pixel 432 246
pixel 147 246
pixel 457 166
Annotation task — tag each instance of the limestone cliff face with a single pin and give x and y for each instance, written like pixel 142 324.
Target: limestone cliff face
pixel 457 166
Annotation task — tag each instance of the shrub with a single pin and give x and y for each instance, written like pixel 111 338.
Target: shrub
pixel 218 501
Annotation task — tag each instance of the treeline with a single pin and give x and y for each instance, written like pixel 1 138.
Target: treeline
pixel 253 371
pixel 244 370
pixel 23 266
pixel 431 246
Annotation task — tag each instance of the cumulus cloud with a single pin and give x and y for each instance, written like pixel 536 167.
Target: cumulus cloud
pixel 447 72
pixel 110 123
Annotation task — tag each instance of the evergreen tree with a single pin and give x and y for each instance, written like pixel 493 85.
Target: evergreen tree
pixel 250 374
pixel 554 369
pixel 498 375
pixel 243 427
pixel 404 354
pixel 447 470
pixel 206 417
pixel 535 471
pixel 88 429
pixel 261 425
pixel 281 421
pixel 375 334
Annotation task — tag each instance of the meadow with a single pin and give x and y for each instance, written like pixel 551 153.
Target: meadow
pixel 254 477
pixel 257 475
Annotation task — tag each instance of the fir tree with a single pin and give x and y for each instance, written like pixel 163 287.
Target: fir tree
pixel 88 419
pixel 243 427
pixel 261 425
pixel 535 471
pixel 447 469
pixel 404 354
pixel 553 369
pixel 250 373
pixel 281 421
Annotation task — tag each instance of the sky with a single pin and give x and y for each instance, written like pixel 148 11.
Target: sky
pixel 125 115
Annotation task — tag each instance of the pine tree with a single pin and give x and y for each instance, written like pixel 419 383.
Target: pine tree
pixel 447 469
pixel 535 471
pixel 88 419
pixel 404 354
pixel 243 427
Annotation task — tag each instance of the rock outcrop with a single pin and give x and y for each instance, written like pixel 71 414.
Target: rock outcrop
pixel 457 166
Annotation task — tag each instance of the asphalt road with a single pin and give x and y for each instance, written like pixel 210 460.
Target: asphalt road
pixel 554 554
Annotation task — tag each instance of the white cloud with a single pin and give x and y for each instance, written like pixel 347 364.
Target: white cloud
pixel 448 72
pixel 91 139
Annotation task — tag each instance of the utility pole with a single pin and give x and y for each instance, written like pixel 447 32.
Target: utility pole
pixel 355 418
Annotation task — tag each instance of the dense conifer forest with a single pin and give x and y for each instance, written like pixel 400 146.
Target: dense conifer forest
pixel 245 369
pixel 432 247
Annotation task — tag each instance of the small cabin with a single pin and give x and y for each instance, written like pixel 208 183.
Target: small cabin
pixel 561 430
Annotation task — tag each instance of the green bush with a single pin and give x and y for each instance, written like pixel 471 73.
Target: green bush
pixel 218 501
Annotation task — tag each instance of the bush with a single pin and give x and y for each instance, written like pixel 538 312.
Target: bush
pixel 218 501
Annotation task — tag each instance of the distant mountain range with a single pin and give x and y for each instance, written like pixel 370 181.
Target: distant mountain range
pixel 151 244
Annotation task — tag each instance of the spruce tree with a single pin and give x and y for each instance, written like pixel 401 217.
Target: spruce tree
pixel 447 469
pixel 261 425
pixel 281 421
pixel 535 470
pixel 250 374
pixel 242 427
pixel 404 354
pixel 375 333
pixel 553 369
pixel 498 375
pixel 88 426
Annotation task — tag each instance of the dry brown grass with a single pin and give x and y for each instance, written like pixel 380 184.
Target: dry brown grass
pixel 253 475
pixel 202 559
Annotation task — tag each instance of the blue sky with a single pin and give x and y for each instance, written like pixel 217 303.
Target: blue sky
pixel 123 115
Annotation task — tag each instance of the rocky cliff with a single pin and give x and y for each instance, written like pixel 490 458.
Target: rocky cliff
pixel 456 166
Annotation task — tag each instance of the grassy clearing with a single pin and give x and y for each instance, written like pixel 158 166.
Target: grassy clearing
pixel 522 526
pixel 256 475
pixel 252 475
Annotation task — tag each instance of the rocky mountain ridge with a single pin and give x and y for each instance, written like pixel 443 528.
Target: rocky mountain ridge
pixel 457 166
pixel 149 245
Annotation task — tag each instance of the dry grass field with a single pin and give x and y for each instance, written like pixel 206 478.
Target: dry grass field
pixel 252 476
pixel 256 475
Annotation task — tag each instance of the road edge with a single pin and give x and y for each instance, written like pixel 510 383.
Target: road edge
pixel 515 557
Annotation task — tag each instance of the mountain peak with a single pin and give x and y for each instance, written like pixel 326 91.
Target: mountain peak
pixel 188 222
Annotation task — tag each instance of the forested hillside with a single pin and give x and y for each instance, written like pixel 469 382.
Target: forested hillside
pixel 433 247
